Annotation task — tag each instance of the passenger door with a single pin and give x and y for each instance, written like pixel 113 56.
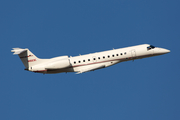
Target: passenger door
pixel 133 53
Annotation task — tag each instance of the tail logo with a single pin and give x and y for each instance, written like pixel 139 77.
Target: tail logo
pixel 32 60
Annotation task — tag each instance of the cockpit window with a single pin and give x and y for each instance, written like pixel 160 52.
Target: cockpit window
pixel 150 47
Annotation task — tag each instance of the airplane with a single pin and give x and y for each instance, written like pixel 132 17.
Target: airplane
pixel 88 62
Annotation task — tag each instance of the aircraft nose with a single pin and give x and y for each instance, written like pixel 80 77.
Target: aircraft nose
pixel 164 51
pixel 161 51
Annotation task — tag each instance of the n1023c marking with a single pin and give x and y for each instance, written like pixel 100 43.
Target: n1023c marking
pixel 32 60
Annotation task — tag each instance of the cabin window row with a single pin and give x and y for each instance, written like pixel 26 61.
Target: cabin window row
pixel 100 57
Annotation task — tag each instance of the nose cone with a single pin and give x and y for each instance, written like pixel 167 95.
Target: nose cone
pixel 164 51
pixel 160 51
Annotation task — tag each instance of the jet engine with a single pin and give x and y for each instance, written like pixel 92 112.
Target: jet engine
pixel 58 64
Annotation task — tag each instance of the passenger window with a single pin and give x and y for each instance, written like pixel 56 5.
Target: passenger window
pixel 117 54
pixel 125 53
pixel 94 58
pixel 103 56
pixel 113 55
pixel 74 62
pixel 83 60
pixel 79 61
pixel 108 56
pixel 121 54
pixel 98 57
pixel 88 59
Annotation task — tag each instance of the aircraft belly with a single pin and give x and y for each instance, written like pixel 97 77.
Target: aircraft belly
pixel 92 67
pixel 77 69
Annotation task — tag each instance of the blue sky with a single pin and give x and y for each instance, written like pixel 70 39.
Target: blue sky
pixel 146 89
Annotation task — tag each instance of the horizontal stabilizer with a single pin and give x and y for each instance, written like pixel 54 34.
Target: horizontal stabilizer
pixel 18 50
pixel 91 68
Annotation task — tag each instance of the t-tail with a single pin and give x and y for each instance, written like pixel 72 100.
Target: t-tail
pixel 27 57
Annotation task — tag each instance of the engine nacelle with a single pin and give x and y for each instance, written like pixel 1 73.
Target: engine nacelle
pixel 59 64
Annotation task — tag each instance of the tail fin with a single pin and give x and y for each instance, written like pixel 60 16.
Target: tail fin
pixel 26 56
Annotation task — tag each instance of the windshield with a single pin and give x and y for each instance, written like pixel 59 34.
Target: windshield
pixel 150 47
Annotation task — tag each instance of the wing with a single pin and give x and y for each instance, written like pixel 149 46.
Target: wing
pixel 92 68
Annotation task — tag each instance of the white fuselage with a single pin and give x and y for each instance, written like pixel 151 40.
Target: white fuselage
pixel 88 62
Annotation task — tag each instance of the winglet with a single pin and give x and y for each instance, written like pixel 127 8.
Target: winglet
pixel 18 50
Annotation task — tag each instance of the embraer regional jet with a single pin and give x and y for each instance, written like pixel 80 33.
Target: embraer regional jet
pixel 88 62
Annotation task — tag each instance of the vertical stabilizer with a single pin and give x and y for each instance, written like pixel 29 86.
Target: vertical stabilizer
pixel 27 57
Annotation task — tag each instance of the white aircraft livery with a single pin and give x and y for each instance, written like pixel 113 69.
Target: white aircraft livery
pixel 88 62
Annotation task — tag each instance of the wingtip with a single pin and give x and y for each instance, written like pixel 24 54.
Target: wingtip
pixel 78 72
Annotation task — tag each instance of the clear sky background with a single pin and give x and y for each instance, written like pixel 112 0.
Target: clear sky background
pixel 146 89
